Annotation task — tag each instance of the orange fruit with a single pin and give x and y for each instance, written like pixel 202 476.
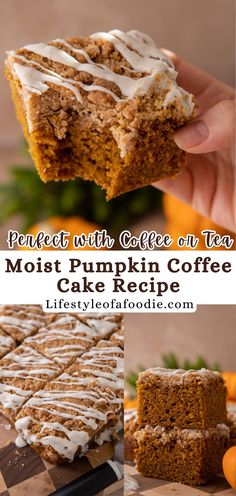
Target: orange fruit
pixel 74 225
pixel 229 466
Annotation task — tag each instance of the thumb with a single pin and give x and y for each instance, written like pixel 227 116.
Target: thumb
pixel 211 131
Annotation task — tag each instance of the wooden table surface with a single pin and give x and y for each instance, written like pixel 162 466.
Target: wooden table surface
pixel 156 487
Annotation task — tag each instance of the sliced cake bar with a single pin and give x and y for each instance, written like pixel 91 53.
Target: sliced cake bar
pixel 67 337
pixel 20 321
pixel 22 372
pixel 188 456
pixel 63 342
pixel 193 399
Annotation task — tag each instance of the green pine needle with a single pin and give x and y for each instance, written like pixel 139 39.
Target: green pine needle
pixel 170 361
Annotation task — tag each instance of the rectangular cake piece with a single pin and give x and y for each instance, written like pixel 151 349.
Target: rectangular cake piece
pixel 103 325
pixel 193 399
pixel 6 343
pixel 73 410
pixel 104 108
pixel 188 456
pixel 104 363
pixel 20 321
pixel 22 372
pixel 110 317
pixel 63 340
pixel 62 420
pixel 68 337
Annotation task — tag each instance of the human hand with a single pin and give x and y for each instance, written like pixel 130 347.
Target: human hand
pixel 207 182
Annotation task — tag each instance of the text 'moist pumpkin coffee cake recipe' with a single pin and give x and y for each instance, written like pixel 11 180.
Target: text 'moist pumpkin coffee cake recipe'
pixel 104 108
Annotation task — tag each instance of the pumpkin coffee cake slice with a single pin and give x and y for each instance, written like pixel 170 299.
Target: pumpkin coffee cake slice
pixel 20 321
pixel 67 337
pixel 63 340
pixel 104 108
pixel 22 372
pixel 104 363
pixel 189 399
pixel 62 420
pixel 189 456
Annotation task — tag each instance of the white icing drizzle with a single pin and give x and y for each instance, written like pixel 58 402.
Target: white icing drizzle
pixel 70 342
pixel 35 309
pixel 57 399
pixel 105 436
pixel 65 446
pixel 141 56
pixel 101 327
pixel 23 324
pixel 20 442
pixel 112 317
pixel 26 356
pixel 62 320
pixel 20 320
pixel 129 87
pixel 137 49
pixel 46 335
pixel 13 397
pixel 179 375
pixel 118 336
pixel 75 380
pixel 98 358
pixel 68 338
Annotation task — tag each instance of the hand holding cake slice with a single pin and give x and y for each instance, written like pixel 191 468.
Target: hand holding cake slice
pixel 104 108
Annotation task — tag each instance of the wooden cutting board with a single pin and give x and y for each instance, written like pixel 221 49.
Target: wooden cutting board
pixel 24 473
pixel 156 487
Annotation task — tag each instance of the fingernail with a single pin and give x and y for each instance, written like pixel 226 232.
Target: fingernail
pixel 191 135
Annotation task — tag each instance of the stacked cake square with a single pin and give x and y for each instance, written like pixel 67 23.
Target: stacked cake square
pixel 182 433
